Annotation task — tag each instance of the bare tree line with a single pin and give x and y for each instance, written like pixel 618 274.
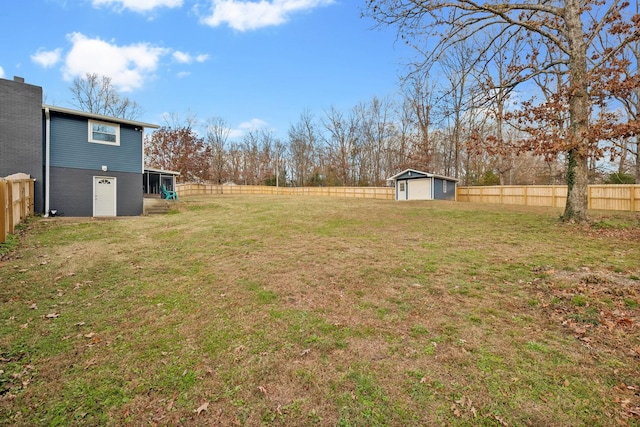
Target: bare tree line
pixel 421 128
pixel 451 126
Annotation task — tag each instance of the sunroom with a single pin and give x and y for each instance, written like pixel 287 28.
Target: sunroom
pixel 154 179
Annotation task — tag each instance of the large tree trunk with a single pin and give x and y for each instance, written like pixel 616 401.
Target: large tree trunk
pixel 576 208
pixel 577 187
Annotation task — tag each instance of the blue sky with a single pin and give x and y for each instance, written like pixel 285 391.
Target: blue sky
pixel 251 62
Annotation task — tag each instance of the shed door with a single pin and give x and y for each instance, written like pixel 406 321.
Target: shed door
pixel 419 189
pixel 104 196
pixel 401 193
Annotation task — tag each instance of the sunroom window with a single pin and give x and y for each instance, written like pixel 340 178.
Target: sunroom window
pixel 104 133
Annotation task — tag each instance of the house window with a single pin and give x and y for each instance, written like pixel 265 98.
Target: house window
pixel 401 185
pixel 104 133
pixel 444 185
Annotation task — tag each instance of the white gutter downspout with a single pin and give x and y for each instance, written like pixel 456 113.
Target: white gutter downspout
pixel 47 166
pixel 433 187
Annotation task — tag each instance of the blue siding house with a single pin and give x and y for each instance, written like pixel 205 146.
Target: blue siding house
pixel 89 164
pixel 412 184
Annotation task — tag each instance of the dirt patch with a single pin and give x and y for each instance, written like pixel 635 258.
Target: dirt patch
pixel 597 279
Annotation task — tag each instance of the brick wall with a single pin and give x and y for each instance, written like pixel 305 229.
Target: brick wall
pixel 21 134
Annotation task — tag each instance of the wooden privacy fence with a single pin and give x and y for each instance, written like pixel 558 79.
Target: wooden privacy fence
pixel 16 202
pixel 602 197
pixel 386 193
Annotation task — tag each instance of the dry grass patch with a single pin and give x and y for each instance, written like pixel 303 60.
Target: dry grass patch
pixel 321 311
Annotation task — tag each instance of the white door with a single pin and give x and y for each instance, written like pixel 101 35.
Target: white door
pixel 402 190
pixel 104 196
pixel 419 189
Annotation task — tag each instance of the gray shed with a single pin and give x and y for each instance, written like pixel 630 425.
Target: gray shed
pixel 412 184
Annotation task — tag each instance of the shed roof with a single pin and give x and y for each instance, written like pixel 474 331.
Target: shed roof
pixel 423 174
pixel 69 111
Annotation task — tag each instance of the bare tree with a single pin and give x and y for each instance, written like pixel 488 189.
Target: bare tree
pixel 267 156
pixel 303 140
pixel 413 148
pixel 217 135
pixel 420 99
pixel 234 160
pixel 376 120
pixel 459 70
pixel 279 164
pixel 494 78
pixel 342 143
pixel 96 94
pixel 631 105
pixel 567 27
pixel 250 160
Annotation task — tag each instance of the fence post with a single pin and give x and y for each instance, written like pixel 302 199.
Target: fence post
pixel 3 210
pixel 588 197
pixel 632 197
pixel 23 200
pixel 10 204
pixel 32 184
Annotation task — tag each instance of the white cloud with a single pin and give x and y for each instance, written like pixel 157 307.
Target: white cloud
pixel 127 66
pixel 250 15
pixel 47 58
pixel 140 6
pixel 183 74
pixel 187 58
pixel 253 124
pixel 1 73
pixel 182 57
pixel 245 127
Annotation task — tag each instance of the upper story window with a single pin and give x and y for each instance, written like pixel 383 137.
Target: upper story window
pixel 104 133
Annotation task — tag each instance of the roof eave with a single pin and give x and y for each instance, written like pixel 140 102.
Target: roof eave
pixel 168 172
pixel 427 174
pixel 62 110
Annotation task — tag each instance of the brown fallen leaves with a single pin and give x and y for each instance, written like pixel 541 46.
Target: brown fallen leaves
pixel 202 408
pixel 16 381
pixel 630 234
pixel 463 404
pixel 602 311
pixel 628 397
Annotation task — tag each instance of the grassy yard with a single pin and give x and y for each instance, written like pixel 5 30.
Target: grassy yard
pixel 261 310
